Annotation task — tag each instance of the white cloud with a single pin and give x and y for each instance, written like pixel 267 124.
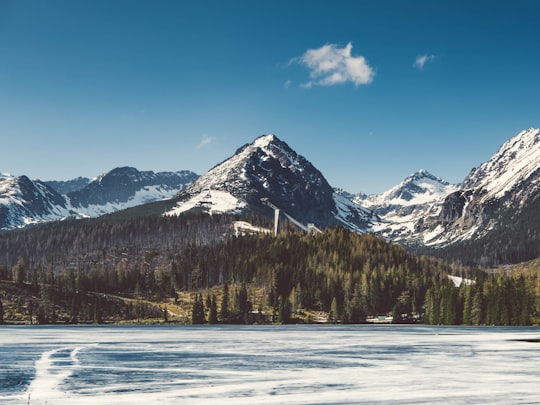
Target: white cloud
pixel 206 140
pixel 330 65
pixel 422 60
pixel 287 84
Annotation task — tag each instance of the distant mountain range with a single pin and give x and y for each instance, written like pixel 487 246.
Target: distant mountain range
pixel 24 201
pixel 496 198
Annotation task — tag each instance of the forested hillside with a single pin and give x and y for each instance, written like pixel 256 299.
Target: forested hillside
pixel 87 271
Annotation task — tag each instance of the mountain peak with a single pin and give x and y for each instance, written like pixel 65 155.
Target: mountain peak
pixel 419 188
pixel 267 170
pixel 423 175
pixel 520 153
pixel 264 140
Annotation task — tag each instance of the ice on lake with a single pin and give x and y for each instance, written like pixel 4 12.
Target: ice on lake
pixel 268 365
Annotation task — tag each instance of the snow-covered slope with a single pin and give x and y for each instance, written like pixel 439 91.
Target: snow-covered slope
pixel 406 207
pixel 24 202
pixel 417 189
pixel 503 184
pixel 426 210
pixel 269 170
pixel 126 187
pixel 516 161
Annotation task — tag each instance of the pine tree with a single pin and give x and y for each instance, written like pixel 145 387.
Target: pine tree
pixel 165 314
pixel 477 315
pixel 197 315
pixel 224 312
pixel 1 312
pixel 285 310
pixel 357 313
pixel 213 316
pixel 467 305
pixel 19 272
pixel 333 315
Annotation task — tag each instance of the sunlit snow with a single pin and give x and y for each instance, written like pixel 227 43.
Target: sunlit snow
pixel 212 201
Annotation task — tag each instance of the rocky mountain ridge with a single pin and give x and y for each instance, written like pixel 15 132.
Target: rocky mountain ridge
pixel 24 201
pixel 268 171
pixel 495 199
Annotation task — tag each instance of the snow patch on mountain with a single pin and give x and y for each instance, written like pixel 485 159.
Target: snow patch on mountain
pixel 350 213
pixel 212 202
pixel 145 195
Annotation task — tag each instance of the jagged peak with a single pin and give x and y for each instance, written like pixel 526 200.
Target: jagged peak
pixel 423 174
pixel 524 139
pixel 265 140
pixel 521 152
pixel 117 171
pixel 418 188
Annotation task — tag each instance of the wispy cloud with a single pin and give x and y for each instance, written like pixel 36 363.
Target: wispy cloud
pixel 287 84
pixel 206 140
pixel 330 65
pixel 422 60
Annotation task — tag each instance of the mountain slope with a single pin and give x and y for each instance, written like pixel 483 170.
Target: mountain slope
pixel 269 170
pixel 24 202
pixel 68 186
pixel 405 208
pixel 498 188
pixel 126 187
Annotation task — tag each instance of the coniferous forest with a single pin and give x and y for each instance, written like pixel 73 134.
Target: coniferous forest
pixel 194 269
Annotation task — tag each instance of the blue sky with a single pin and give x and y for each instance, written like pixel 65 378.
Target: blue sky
pixel 368 91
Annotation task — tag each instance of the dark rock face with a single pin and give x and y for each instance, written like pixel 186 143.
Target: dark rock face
pixel 300 189
pixel 68 186
pixel 453 205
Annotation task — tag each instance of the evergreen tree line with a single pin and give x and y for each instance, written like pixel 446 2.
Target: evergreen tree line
pixel 72 243
pixel 493 300
pixel 50 304
pixel 346 275
pixel 351 277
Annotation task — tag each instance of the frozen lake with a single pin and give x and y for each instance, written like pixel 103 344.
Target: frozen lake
pixel 60 365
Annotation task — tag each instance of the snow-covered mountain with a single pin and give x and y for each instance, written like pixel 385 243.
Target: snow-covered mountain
pixel 427 211
pixel 24 201
pixel 407 207
pixel 269 171
pixel 500 197
pixel 419 188
pixel 500 187
pixel 126 187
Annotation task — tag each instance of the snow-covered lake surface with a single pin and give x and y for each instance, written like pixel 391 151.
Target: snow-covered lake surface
pixel 268 365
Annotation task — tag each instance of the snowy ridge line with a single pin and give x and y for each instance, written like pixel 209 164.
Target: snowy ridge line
pixel 517 159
